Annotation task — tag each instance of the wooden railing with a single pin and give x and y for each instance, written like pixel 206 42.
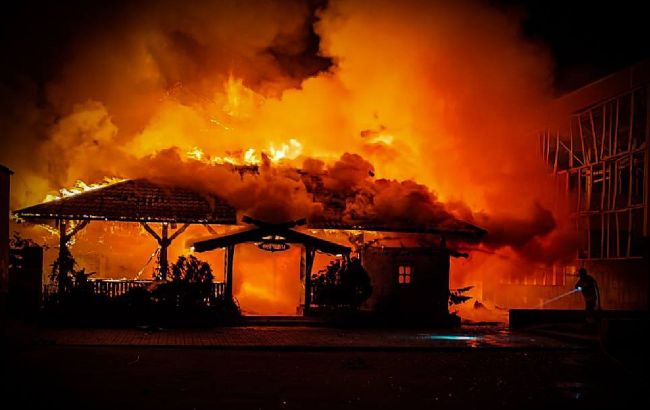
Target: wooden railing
pixel 218 289
pixel 116 287
pixel 113 288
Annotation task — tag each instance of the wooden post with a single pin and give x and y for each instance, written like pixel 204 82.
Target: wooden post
pixel 228 259
pixel 309 262
pixel 164 240
pixel 164 244
pixel 63 237
pixel 63 250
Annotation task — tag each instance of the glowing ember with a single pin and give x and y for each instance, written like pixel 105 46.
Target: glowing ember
pixel 81 187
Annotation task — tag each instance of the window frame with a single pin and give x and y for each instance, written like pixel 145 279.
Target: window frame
pixel 404 274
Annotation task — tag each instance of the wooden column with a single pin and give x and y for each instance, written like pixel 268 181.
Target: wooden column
pixel 64 252
pixel 164 240
pixel 164 244
pixel 63 237
pixel 309 262
pixel 228 261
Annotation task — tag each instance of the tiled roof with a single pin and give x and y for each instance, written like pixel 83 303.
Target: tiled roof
pixel 144 201
pixel 137 200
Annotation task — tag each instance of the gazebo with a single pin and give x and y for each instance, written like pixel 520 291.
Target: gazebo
pixel 138 200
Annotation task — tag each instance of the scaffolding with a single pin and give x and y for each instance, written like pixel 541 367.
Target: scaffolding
pixel 601 169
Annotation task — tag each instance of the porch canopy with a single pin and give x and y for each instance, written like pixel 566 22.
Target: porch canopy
pixel 272 237
pixel 271 234
pixel 137 200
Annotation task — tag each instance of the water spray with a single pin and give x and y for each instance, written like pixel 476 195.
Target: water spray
pixel 546 302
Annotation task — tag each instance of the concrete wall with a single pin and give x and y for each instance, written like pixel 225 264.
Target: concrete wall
pixel 623 285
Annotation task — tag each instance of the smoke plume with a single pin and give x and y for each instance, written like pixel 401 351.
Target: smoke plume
pixel 416 111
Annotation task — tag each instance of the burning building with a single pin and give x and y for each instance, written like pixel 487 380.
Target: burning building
pixel 408 262
pixel 597 148
pixel 304 96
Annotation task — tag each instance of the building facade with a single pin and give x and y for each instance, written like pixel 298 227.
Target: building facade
pixel 597 149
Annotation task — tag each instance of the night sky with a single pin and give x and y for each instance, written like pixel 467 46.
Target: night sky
pixel 589 39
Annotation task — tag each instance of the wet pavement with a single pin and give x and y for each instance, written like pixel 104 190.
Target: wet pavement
pixel 307 338
pixel 145 377
pixel 270 367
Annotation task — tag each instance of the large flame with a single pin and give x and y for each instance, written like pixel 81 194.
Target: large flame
pixel 446 94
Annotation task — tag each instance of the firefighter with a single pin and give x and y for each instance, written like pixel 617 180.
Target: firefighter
pixel 590 292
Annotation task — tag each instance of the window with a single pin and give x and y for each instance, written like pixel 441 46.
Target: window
pixel 404 274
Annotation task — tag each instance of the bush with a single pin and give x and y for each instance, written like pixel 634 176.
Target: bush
pixel 186 299
pixel 343 284
pixel 190 286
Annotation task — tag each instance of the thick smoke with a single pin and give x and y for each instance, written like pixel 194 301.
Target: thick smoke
pixel 411 111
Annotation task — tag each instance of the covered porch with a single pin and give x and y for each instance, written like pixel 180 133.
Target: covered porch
pixel 273 238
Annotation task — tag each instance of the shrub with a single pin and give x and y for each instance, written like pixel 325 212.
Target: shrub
pixel 342 284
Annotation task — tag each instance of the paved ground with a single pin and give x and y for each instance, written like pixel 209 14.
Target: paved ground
pixel 310 338
pixel 313 368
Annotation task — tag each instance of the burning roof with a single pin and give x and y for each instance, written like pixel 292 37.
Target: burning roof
pixel 136 200
pixel 141 200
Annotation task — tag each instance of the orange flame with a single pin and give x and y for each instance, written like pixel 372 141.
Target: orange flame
pixel 81 187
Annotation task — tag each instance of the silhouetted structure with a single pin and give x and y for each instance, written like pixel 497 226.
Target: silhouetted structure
pixel 411 279
pixel 134 201
pixel 407 282
pixel 25 281
pixel 273 235
pixel 5 174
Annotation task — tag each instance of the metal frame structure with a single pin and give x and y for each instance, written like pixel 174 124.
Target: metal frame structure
pixel 602 171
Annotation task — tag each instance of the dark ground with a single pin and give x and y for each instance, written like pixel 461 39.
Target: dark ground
pixel 51 376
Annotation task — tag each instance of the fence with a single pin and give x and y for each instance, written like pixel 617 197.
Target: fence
pixel 116 287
